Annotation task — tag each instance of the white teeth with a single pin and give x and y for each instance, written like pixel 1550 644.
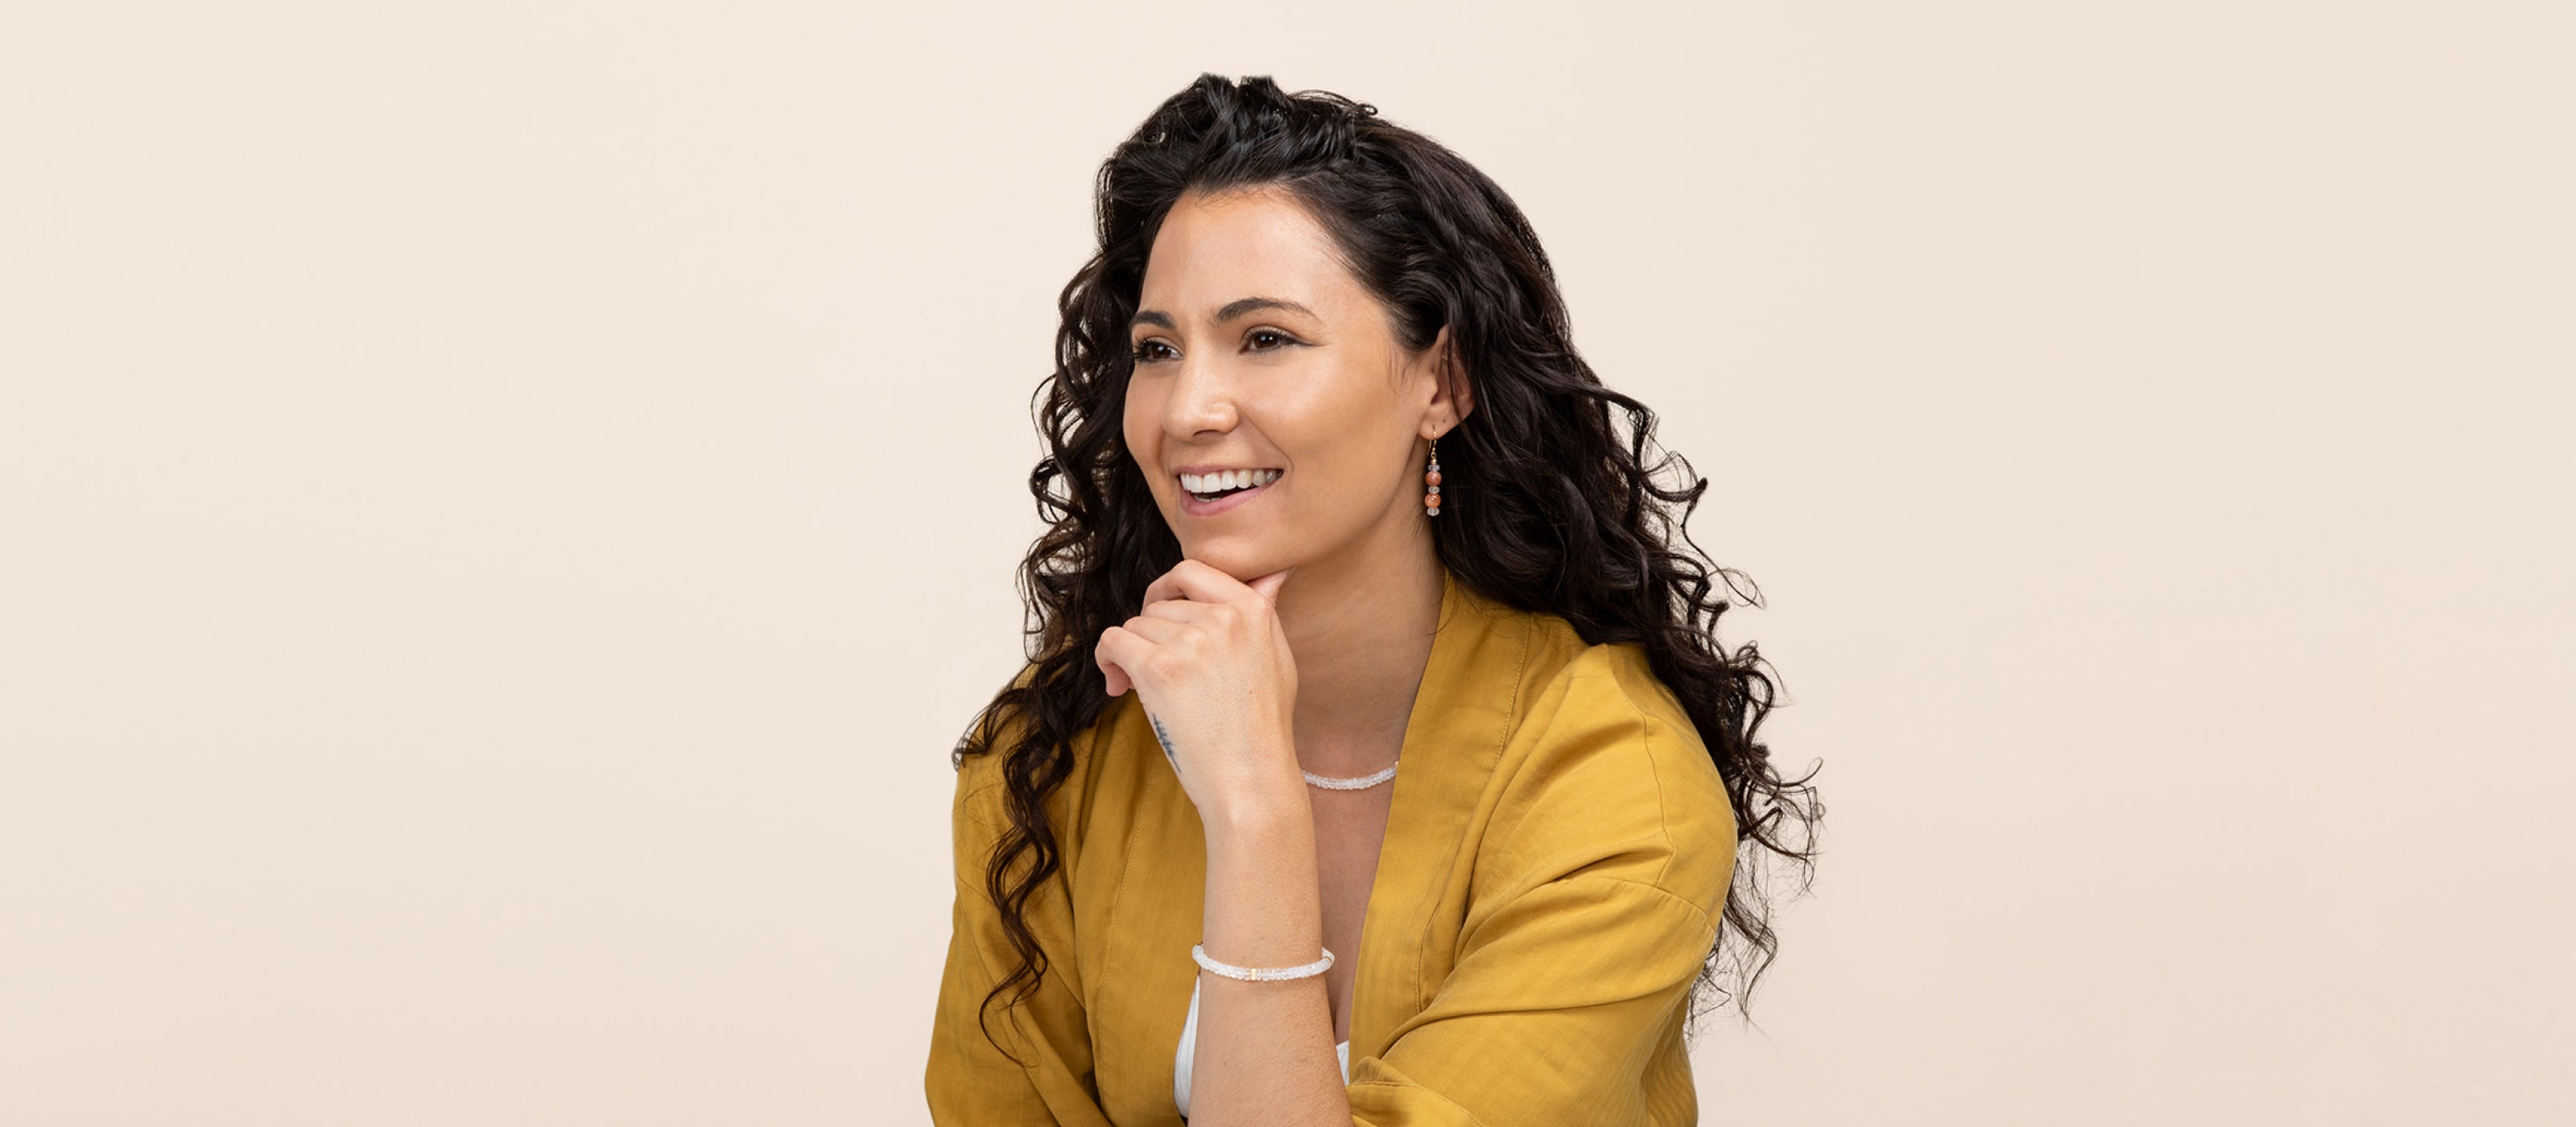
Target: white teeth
pixel 1227 479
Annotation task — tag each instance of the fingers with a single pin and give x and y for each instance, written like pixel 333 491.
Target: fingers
pixel 1200 582
pixel 1132 647
pixel 1184 611
pixel 1116 644
pixel 1193 600
pixel 1196 580
pixel 1162 628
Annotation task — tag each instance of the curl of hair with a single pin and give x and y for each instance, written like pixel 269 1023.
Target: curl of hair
pixel 1550 510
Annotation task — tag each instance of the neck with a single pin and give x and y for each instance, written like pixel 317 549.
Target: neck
pixel 1361 628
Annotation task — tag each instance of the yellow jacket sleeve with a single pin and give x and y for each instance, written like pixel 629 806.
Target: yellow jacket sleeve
pixel 1605 870
pixel 969 1081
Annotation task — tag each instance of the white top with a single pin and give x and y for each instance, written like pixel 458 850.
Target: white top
pixel 1189 1048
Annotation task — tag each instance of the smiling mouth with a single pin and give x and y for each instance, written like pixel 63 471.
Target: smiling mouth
pixel 1221 494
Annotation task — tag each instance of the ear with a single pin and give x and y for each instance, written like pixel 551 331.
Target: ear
pixel 1453 396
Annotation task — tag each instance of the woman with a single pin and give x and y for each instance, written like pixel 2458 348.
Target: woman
pixel 1376 767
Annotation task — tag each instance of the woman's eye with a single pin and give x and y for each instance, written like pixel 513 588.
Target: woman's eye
pixel 1262 340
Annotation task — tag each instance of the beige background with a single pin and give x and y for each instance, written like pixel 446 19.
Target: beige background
pixel 503 510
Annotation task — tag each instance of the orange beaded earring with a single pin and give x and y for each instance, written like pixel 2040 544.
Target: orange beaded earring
pixel 1431 482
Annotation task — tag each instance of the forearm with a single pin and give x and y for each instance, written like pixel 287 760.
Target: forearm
pixel 1265 1049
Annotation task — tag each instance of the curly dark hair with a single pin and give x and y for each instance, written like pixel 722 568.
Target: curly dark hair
pixel 1567 517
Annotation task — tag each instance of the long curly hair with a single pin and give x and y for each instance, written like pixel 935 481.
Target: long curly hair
pixel 1551 509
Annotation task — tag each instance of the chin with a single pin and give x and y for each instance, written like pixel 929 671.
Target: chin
pixel 1243 565
pixel 1231 563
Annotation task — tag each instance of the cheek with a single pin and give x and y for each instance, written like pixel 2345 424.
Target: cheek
pixel 1143 436
pixel 1138 437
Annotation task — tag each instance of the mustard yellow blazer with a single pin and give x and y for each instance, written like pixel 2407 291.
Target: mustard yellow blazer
pixel 1557 851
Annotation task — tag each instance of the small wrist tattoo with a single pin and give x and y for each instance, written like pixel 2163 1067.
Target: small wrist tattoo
pixel 1165 738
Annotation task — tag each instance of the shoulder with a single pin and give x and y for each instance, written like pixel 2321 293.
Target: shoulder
pixel 982 796
pixel 1572 692
pixel 1605 773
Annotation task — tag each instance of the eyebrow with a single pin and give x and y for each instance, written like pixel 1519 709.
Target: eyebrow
pixel 1233 309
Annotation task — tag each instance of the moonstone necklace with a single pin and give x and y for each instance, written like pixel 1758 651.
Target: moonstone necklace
pixel 1325 781
pixel 1363 782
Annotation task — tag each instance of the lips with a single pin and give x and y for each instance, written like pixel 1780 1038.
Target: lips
pixel 1192 506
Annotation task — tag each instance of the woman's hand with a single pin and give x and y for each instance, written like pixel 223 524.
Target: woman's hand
pixel 1212 667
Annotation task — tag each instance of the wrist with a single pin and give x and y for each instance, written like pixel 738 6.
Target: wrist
pixel 1267 810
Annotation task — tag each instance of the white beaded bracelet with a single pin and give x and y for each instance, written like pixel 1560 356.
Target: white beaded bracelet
pixel 1260 974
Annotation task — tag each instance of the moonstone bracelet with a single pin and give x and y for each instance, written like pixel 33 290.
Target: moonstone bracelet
pixel 1260 974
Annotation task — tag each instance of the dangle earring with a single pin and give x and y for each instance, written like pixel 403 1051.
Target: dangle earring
pixel 1431 482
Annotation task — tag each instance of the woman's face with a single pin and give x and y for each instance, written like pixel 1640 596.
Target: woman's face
pixel 1257 350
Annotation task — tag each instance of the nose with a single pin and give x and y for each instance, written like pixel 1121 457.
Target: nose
pixel 1202 400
